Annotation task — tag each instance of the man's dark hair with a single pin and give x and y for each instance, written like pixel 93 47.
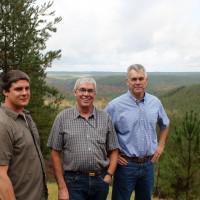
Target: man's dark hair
pixel 7 78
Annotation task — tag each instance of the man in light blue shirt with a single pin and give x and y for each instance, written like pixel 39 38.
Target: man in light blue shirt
pixel 136 115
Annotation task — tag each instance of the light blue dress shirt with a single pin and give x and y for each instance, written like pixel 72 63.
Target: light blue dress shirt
pixel 136 121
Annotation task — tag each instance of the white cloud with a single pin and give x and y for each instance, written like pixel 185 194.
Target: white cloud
pixel 110 35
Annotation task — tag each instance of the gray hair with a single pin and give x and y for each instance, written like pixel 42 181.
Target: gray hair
pixel 137 67
pixel 85 80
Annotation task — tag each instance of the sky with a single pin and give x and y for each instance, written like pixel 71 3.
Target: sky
pixel 110 35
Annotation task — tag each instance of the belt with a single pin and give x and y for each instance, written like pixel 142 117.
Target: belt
pixel 138 159
pixel 88 173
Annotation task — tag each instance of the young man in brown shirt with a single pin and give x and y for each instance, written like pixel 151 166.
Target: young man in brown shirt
pixel 22 173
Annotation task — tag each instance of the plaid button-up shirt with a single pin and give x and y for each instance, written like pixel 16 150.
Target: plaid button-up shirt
pixel 85 143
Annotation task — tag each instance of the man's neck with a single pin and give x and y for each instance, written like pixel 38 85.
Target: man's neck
pixel 139 97
pixel 13 108
pixel 85 111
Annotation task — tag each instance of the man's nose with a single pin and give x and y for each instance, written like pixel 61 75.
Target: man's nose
pixel 137 81
pixel 24 91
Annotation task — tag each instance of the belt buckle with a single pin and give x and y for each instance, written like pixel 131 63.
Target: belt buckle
pixel 141 159
pixel 91 173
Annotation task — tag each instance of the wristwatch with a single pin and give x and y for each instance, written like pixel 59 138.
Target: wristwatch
pixel 108 173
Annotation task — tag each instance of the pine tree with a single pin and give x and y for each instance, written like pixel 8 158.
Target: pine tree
pixel 25 28
pixel 180 167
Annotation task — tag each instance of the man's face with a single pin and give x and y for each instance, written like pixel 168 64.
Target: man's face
pixel 85 95
pixel 18 95
pixel 137 83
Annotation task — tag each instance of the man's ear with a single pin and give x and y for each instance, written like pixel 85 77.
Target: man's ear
pixel 147 80
pixel 74 91
pixel 126 81
pixel 5 93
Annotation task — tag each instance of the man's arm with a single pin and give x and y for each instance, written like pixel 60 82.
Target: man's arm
pixel 6 188
pixel 58 172
pixel 112 165
pixel 161 144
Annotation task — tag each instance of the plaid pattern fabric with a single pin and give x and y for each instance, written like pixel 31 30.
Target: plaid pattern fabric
pixel 85 143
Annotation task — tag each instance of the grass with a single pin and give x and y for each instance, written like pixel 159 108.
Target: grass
pixel 53 191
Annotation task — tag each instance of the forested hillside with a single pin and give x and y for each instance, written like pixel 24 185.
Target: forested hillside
pixel 112 84
pixel 182 99
pixel 178 171
pixel 180 92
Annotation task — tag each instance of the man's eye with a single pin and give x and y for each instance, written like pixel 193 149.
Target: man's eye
pixel 135 79
pixel 18 89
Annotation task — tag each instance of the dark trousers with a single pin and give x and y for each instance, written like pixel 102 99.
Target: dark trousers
pixel 83 187
pixel 138 177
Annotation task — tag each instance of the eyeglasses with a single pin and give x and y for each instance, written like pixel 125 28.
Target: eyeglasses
pixel 135 79
pixel 84 90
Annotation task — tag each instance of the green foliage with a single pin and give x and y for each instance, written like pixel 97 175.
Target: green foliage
pixel 182 100
pixel 23 35
pixel 25 28
pixel 180 167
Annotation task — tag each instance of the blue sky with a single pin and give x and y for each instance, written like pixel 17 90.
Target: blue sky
pixel 110 35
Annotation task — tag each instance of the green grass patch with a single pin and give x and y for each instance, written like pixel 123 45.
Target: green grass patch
pixel 53 191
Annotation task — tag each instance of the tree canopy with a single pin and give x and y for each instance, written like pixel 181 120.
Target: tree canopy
pixel 25 28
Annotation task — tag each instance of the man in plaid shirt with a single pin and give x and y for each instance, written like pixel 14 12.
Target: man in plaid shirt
pixel 87 139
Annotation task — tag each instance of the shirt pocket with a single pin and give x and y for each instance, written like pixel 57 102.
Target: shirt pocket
pixel 101 135
pixel 71 139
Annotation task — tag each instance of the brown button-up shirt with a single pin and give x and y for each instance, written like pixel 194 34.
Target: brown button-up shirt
pixel 20 151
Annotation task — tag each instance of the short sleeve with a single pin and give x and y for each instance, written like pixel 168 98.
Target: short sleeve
pixel 55 140
pixel 109 109
pixel 163 120
pixel 6 144
pixel 112 141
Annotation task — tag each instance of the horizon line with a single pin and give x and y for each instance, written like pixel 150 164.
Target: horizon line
pixel 89 71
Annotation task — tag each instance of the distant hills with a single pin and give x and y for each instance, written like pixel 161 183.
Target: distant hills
pixel 182 99
pixel 179 92
pixel 111 84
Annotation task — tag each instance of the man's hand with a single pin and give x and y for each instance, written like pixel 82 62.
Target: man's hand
pixel 6 188
pixel 121 160
pixel 108 179
pixel 161 145
pixel 158 152
pixel 63 194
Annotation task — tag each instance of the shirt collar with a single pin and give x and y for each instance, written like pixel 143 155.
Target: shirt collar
pixel 12 113
pixel 134 99
pixel 77 114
